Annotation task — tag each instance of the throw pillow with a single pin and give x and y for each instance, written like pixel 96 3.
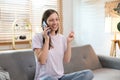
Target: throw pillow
pixel 4 75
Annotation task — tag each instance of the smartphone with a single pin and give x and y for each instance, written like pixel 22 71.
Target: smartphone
pixel 44 24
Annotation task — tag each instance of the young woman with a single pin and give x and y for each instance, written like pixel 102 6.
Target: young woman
pixel 52 49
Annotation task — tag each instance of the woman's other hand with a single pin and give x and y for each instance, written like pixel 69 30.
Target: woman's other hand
pixel 70 36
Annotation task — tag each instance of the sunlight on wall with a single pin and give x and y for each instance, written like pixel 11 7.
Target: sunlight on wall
pixel 108 24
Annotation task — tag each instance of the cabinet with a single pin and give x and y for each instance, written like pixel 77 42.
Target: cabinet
pixel 22 32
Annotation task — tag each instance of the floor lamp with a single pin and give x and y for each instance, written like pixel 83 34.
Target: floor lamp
pixel 115 42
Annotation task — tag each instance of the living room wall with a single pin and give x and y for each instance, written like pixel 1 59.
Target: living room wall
pixel 87 19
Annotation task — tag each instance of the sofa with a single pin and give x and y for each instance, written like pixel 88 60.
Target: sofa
pixel 20 64
pixel 103 67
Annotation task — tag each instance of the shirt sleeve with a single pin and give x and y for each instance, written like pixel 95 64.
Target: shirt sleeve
pixel 37 41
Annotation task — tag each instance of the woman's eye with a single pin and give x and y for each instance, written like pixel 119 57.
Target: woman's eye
pixel 54 20
pixel 57 19
pixel 51 20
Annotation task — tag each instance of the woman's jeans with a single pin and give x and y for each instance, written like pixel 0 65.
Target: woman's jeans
pixel 80 75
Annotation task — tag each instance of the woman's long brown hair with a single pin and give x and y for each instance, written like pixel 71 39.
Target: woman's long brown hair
pixel 45 16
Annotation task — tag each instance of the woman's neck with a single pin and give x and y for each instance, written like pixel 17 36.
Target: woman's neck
pixel 53 33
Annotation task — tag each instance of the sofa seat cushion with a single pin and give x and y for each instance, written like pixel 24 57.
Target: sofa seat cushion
pixel 106 74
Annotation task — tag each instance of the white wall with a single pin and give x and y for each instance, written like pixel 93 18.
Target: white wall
pixel 87 17
pixel 67 16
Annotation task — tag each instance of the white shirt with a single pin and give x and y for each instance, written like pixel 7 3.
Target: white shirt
pixel 54 64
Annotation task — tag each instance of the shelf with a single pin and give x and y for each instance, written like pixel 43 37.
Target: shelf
pixel 23 30
pixel 22 41
pixel 19 29
pixel 5 42
pixel 17 42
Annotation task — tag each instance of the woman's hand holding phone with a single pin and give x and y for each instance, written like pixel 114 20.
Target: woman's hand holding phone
pixel 44 25
pixel 46 30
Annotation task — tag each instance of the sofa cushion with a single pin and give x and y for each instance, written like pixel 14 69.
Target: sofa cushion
pixel 83 57
pixel 106 74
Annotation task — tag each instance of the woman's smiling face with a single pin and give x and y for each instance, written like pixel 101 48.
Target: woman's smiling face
pixel 53 22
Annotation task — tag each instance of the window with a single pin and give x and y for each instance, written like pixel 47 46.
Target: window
pixel 21 9
pixel 9 10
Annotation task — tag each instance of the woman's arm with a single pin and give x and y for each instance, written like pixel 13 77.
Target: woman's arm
pixel 67 55
pixel 42 53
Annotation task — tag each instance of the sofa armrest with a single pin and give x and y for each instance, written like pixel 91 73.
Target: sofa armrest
pixel 109 62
